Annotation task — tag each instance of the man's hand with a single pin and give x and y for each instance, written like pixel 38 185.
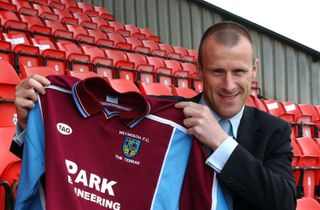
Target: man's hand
pixel 26 96
pixel 202 124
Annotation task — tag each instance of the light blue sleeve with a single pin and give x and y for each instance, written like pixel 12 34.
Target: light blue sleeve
pixel 33 163
pixel 220 156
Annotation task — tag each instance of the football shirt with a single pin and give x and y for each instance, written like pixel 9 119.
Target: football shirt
pixel 100 149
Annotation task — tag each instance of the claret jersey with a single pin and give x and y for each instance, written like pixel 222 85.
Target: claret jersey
pixel 100 149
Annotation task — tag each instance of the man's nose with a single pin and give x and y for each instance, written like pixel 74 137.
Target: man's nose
pixel 229 82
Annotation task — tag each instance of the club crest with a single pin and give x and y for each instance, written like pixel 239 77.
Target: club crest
pixel 130 147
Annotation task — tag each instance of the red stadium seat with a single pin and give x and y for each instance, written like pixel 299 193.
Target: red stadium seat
pixel 85 21
pixel 65 16
pixel 156 89
pixel 164 73
pixel 7 5
pixel 52 56
pixel 82 75
pixel 58 29
pixel 154 48
pixel 310 154
pixel 87 9
pixel 134 31
pixel 137 45
pixel 123 85
pixel 6 52
pixel 145 73
pixel 10 20
pixel 119 41
pixel 309 111
pixel 7 134
pixel 125 69
pixel 274 108
pixel 27 56
pixel 303 121
pixel 250 102
pixel 71 6
pixel 24 7
pixel 102 24
pixel 80 34
pixel 149 34
pixel 78 61
pixel 194 54
pixel 45 12
pixel 307 204
pixel 35 24
pixel 101 38
pixel 103 13
pixel 183 92
pixel 40 70
pixel 8 166
pixel 102 64
pixel 119 28
pixel 189 67
pixel 8 80
pixel 16 38
pixel 258 103
pixel 183 53
pixel 182 79
pixel 10 176
pixel 56 4
pixel 169 51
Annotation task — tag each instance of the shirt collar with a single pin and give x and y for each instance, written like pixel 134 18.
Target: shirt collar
pixel 94 95
pixel 235 120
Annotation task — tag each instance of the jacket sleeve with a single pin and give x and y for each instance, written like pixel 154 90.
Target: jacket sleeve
pixel 262 177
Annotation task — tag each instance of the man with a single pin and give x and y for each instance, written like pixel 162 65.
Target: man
pixel 251 158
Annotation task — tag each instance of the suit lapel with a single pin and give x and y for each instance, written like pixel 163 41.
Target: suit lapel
pixel 247 131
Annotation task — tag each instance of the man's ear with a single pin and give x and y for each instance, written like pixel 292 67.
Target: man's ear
pixel 255 67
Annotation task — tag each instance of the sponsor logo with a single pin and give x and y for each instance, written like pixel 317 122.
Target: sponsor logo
pixel 130 147
pixel 64 129
pixel 86 181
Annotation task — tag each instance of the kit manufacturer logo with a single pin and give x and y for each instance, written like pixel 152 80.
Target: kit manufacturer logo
pixel 64 129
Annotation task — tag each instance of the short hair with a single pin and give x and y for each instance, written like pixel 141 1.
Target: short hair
pixel 227 33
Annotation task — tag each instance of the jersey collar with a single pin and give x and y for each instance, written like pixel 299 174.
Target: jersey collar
pixel 95 95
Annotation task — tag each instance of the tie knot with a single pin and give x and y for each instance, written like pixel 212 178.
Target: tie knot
pixel 226 126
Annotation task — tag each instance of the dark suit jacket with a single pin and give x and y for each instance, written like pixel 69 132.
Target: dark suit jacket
pixel 258 172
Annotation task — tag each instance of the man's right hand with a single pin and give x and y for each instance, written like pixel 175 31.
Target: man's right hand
pixel 26 96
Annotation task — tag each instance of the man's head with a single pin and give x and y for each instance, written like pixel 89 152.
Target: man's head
pixel 227 67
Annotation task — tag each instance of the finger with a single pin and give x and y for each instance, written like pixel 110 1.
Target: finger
pixel 36 82
pixel 183 104
pixel 41 79
pixel 197 112
pixel 191 122
pixel 22 103
pixel 29 94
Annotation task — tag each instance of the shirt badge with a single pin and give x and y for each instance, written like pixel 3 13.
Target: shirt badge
pixel 130 147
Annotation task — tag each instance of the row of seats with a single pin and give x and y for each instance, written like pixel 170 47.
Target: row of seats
pixel 305 141
pixel 106 62
pixel 94 30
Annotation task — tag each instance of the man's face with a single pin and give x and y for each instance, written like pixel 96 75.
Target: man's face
pixel 227 73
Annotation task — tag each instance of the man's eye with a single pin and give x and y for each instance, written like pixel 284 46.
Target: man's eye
pixel 239 72
pixel 217 72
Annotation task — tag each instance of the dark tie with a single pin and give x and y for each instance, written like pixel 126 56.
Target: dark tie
pixel 222 203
